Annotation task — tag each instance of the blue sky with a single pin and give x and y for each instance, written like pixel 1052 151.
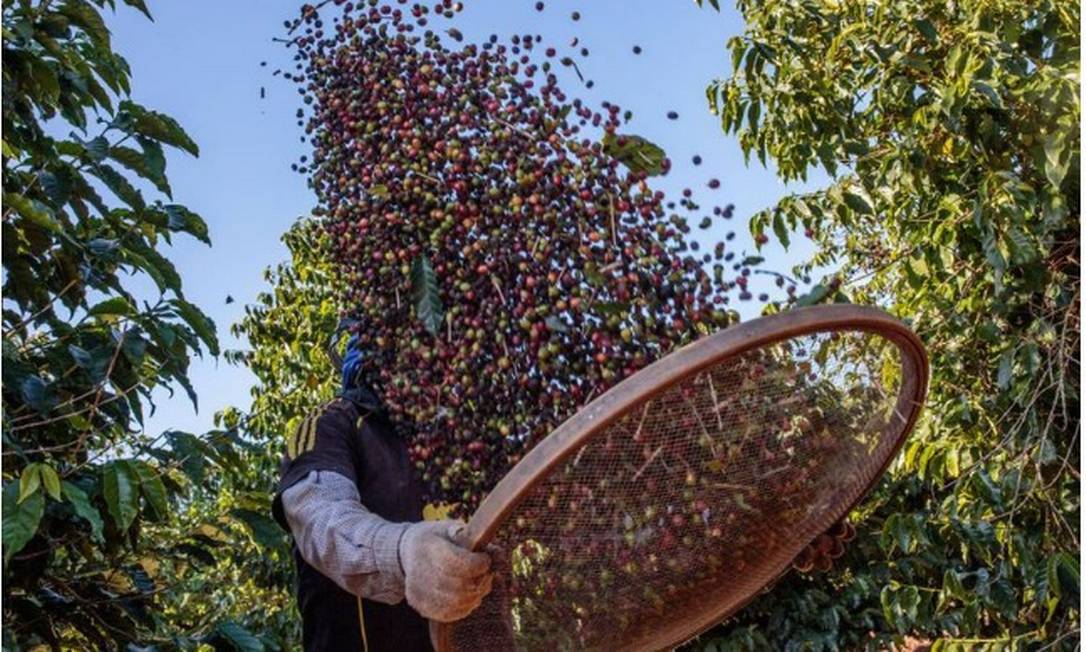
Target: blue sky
pixel 200 62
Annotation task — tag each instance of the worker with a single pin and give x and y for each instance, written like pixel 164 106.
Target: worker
pixel 370 571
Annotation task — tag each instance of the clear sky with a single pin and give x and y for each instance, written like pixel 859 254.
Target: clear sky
pixel 200 62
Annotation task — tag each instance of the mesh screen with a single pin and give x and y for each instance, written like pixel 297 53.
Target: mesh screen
pixel 690 504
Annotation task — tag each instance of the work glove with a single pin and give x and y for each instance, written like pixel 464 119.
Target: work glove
pixel 443 581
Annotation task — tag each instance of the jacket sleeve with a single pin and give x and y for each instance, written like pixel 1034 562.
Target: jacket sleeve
pixel 338 536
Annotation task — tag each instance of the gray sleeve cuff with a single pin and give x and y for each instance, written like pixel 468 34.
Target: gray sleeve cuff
pixel 386 549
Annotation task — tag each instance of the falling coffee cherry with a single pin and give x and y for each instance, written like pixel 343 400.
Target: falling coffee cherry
pixel 714 183
pixel 697 160
pixel 672 115
pixel 576 15
pixel 637 49
pixel 539 6
pixel 449 270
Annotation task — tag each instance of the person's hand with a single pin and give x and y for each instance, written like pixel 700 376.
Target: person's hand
pixel 819 554
pixel 442 580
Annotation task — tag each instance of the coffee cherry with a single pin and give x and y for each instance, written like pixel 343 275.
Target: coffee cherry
pixel 544 261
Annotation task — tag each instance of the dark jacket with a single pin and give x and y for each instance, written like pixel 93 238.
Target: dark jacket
pixel 352 437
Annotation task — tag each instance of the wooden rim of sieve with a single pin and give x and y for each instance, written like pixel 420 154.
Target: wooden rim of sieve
pixel 677 366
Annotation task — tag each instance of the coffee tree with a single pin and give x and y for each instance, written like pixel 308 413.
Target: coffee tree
pixel 950 133
pixel 98 526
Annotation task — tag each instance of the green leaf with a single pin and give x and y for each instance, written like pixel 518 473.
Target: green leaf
pixel 1006 369
pixel 37 394
pixel 239 637
pixel 29 481
pixel 857 202
pixel 50 480
pixel 995 257
pixel 636 153
pixel 816 295
pixel 46 85
pixel 96 148
pixel 157 266
pixel 191 453
pixel 56 185
pixel 34 211
pixel 119 186
pixel 200 323
pixel 263 529
pixel 1055 165
pixel 120 488
pixel 1064 577
pixel 989 93
pixel 611 307
pixel 182 219
pixel 952 461
pixel 1022 248
pixel 83 508
pixel 139 4
pixel 20 519
pixel 425 294
pixel 153 157
pixel 113 306
pixel 94 362
pixel 137 162
pixel 925 27
pixel 84 16
pixel 780 230
pixel 152 488
pixel 154 125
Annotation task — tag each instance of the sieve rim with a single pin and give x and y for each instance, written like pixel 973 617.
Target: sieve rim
pixel 657 378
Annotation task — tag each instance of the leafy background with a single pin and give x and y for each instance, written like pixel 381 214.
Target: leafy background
pixel 949 135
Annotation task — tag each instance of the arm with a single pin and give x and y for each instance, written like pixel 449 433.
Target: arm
pixel 360 551
pixel 347 543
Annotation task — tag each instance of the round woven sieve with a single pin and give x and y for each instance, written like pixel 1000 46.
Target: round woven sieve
pixel 669 502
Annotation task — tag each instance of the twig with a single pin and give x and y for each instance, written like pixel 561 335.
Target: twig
pixel 49 305
pixel 611 206
pixel 498 287
pixel 648 461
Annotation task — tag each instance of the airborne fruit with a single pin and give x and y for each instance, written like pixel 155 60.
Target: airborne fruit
pixel 502 255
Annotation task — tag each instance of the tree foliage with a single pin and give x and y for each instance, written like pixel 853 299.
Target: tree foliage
pixel 950 133
pixel 106 529
pixel 289 329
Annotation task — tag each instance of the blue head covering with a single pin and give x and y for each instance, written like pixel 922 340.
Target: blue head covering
pixel 352 363
pixel 355 387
